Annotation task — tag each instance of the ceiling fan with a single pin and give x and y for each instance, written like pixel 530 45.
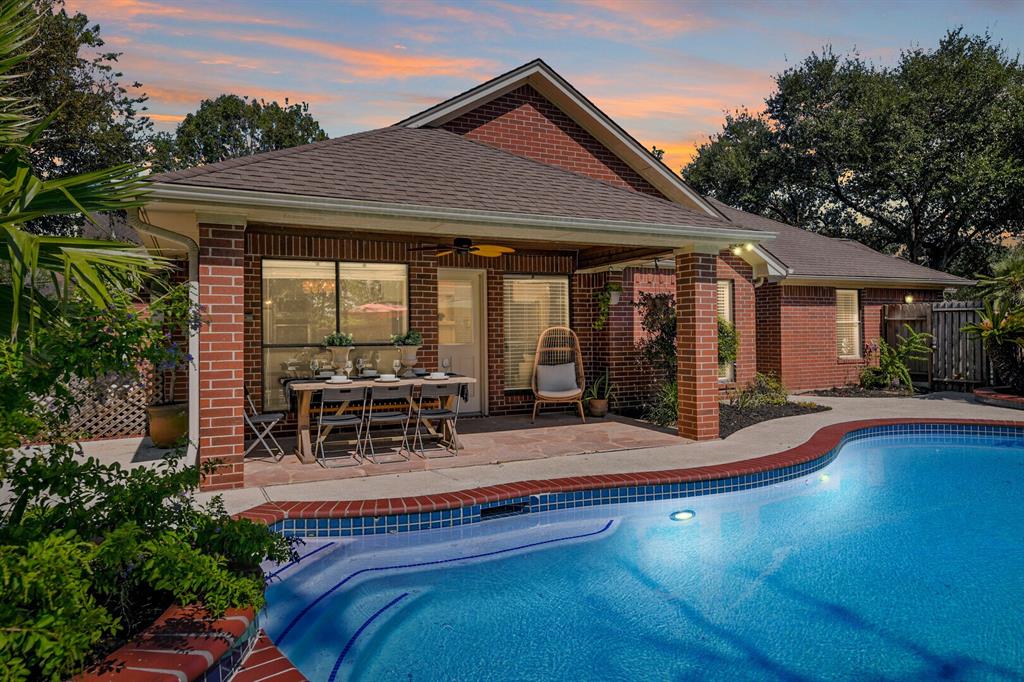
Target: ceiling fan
pixel 465 246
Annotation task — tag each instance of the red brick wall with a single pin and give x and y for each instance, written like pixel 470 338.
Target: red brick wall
pixel 525 123
pixel 797 332
pixel 697 345
pixel 221 368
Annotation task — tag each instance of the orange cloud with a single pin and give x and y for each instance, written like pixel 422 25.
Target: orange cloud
pixel 678 154
pixel 131 9
pixel 424 9
pixel 373 64
pixel 166 118
pixel 655 16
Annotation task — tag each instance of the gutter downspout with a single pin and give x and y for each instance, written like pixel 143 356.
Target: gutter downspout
pixel 135 220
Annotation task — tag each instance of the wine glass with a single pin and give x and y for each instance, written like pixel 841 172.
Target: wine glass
pixel 348 368
pixel 396 365
pixel 314 365
pixel 360 363
pixel 445 364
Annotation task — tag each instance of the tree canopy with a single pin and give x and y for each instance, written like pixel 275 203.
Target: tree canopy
pixel 231 126
pixel 98 123
pixel 924 159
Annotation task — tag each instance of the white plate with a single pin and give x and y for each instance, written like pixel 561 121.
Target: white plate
pixel 342 380
pixel 382 380
pixel 437 377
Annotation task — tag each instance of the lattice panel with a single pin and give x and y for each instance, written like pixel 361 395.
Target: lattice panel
pixel 119 412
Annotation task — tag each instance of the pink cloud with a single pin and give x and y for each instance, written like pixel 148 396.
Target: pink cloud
pixel 373 64
pixel 130 10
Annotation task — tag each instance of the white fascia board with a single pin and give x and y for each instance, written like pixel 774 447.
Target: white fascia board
pixel 515 78
pixel 872 282
pixel 244 202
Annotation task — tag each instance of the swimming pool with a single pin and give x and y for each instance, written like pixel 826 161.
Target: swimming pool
pixel 902 558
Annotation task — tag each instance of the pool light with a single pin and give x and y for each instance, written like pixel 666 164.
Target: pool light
pixel 684 515
pixel 824 477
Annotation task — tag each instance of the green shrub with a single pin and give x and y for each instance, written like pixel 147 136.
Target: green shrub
pixel 763 389
pixel 664 409
pixel 872 378
pixel 893 361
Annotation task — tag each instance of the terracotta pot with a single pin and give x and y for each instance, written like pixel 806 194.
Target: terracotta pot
pixel 597 408
pixel 168 424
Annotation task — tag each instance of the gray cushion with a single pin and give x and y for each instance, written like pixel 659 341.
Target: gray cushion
pixel 557 377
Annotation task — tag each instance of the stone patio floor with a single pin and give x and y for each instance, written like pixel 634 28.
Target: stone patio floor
pixel 485 441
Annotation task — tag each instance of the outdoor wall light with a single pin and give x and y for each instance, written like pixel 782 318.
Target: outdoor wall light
pixel 736 250
pixel 684 515
pixel 748 246
pixel 909 298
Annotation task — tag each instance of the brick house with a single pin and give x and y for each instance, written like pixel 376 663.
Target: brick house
pixel 355 234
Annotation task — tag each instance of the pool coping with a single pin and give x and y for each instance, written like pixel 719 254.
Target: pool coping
pixel 818 445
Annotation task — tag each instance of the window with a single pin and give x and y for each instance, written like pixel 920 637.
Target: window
pixel 848 323
pixel 532 304
pixel 725 372
pixel 304 301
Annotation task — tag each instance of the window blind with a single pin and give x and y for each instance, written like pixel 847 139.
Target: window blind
pixel 532 304
pixel 725 312
pixel 848 323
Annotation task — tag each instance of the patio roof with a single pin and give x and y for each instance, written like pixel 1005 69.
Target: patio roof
pixel 435 170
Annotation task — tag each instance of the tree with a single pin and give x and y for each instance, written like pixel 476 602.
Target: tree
pixel 97 124
pixel 232 126
pixel 924 159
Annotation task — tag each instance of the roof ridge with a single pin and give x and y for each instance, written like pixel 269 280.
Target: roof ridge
pixel 241 161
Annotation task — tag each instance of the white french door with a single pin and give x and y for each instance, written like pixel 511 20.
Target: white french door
pixel 461 329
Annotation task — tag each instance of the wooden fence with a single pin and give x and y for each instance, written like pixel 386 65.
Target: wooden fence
pixel 958 362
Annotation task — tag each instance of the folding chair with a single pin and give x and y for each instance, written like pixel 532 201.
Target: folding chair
pixel 265 421
pixel 331 400
pixel 443 414
pixel 388 417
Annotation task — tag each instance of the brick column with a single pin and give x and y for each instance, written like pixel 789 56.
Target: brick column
pixel 423 305
pixel 697 344
pixel 221 346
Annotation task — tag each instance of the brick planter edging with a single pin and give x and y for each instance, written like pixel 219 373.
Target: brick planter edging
pixel 999 396
pixel 183 644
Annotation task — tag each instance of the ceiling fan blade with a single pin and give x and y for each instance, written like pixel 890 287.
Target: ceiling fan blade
pixel 444 253
pixel 491 250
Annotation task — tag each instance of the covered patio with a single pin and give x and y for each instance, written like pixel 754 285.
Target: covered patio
pixel 485 441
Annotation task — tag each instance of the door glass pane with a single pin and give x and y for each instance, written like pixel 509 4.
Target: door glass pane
pixel 725 312
pixel 299 304
pixel 455 312
pixel 373 301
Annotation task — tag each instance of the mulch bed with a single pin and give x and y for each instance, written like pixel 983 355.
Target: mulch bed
pixel 731 418
pixel 859 392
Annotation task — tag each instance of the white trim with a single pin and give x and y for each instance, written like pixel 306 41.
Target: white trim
pixel 870 282
pixel 537 68
pixel 245 200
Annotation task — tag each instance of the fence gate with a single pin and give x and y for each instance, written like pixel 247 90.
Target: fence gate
pixel 958 362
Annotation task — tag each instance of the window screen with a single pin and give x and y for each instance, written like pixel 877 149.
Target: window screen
pixel 532 304
pixel 848 323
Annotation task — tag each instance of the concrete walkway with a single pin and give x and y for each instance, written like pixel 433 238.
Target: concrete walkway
pixel 760 439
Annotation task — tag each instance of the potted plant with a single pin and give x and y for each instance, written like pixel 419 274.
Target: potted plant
pixel 607 296
pixel 340 345
pixel 598 395
pixel 408 344
pixel 168 417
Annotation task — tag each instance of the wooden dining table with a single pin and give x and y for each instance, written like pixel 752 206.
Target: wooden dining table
pixel 304 390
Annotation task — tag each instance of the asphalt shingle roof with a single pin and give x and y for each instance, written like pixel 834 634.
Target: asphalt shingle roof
pixel 436 168
pixel 809 254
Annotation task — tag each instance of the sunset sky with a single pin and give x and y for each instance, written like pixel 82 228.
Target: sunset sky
pixel 665 71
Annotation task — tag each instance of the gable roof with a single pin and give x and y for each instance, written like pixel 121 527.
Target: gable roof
pixel 810 255
pixel 562 94
pixel 439 169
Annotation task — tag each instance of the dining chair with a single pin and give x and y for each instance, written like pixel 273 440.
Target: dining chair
pixel 448 395
pixel 332 400
pixel 261 423
pixel 388 417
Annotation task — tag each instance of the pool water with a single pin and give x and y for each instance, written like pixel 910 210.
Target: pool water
pixel 902 559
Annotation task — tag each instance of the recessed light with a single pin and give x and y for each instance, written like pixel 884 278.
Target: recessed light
pixel 684 515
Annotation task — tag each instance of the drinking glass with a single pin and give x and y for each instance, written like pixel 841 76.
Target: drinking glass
pixel 445 364
pixel 348 368
pixel 396 365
